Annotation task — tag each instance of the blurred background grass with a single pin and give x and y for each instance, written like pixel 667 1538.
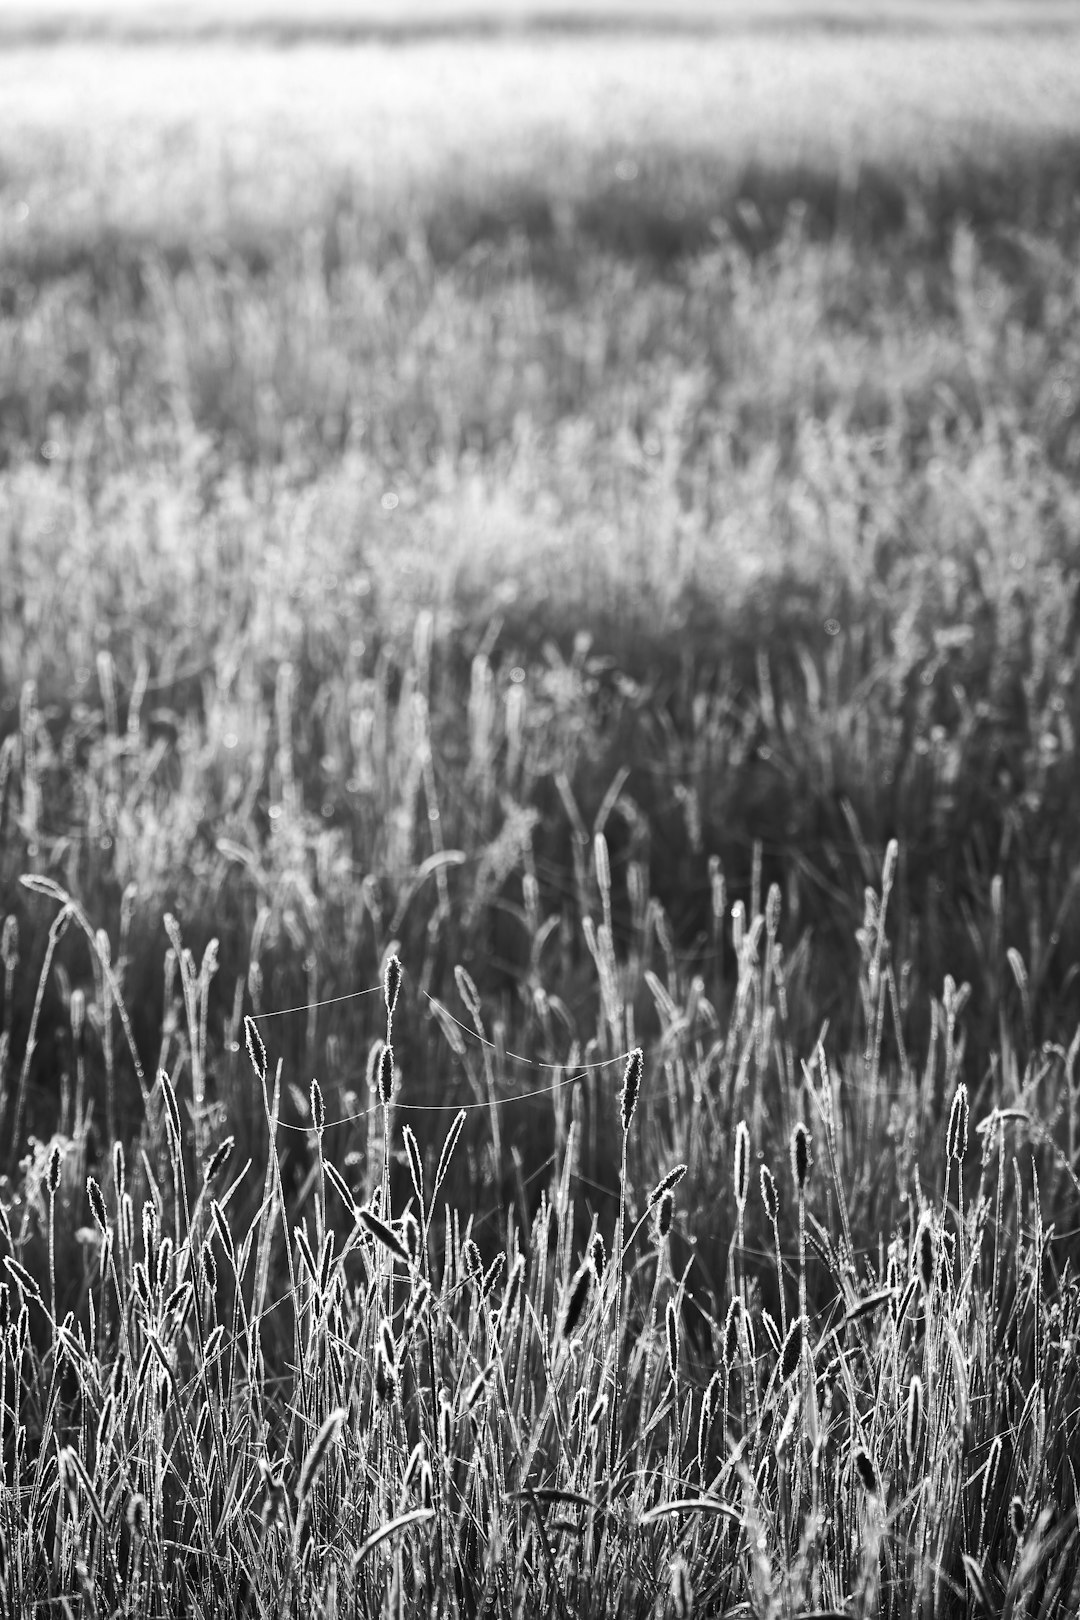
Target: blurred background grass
pixel 418 455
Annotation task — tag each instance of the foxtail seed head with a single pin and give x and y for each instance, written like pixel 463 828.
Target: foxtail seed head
pixel 791 1351
pixel 913 1425
pixel 990 1471
pixel 631 1087
pixel 416 1163
pixel 318 1109
pixel 666 1184
pixel 800 1156
pixel 956 1138
pixel 97 1204
pixel 392 975
pixel 924 1252
pixel 317 1454
pixel 575 1304
pixel 671 1322
pixel 255 1047
pixel 866 1471
pixel 768 1194
pixel 221 1153
pixel 386 1075
pixel 742 1164
pixel 373 1061
pixel 731 1333
pixel 665 1213
pixel 9 944
pixel 136 1515
pixel 56 1159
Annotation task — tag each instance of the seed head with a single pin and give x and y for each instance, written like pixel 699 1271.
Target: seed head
pixel 513 1288
pixel 378 1229
pixel 710 1399
pixel 768 1193
pixel 318 1109
pixel 56 1159
pixel 97 1204
pixel 373 1066
pixel 385 1377
pixel 705 1418
pixel 631 1086
pixel 575 1304
pixel 220 1154
pixel 866 1471
pixel 791 1351
pixel 924 1252
pixel 392 975
pixel 9 944
pixel 136 1515
pixel 410 1233
pixel 990 1471
pixel 386 1075
pixel 1017 1517
pixel 957 1135
pixel 800 1156
pixel 666 1184
pixel 731 1333
pixel 255 1047
pixel 416 1163
pixel 118 1168
pixel 742 1164
pixel 665 1211
pixel 77 1012
pixel 469 994
pixel 672 1325
pixel 164 1260
pixel 597 1256
pixel 317 1454
pixel 913 1426
pixel 172 1108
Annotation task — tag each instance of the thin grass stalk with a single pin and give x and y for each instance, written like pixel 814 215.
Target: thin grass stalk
pixel 56 931
pixel 631 1088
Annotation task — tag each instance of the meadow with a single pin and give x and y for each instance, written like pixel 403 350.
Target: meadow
pixel 539 815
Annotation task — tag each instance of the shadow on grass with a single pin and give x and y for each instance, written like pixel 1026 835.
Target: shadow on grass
pixel 677 205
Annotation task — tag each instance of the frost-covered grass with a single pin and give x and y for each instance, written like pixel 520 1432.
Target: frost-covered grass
pixel 555 509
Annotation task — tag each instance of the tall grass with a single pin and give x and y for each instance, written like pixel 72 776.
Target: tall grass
pixel 639 596
pixel 261 1400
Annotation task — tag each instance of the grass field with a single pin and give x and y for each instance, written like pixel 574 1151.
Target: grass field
pixel 589 512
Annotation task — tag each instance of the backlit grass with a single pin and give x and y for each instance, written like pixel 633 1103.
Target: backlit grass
pixel 593 519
